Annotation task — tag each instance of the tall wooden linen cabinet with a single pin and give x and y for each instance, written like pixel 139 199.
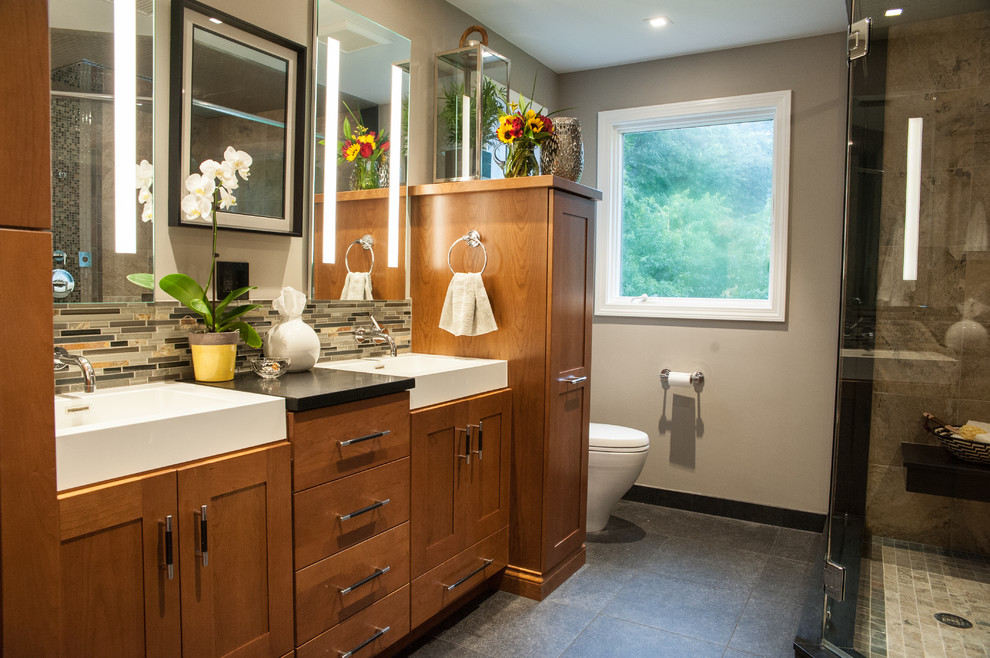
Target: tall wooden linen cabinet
pixel 538 244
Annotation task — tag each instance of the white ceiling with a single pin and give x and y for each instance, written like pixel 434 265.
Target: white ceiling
pixel 576 35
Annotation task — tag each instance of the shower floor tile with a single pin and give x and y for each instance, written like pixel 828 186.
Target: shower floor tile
pixel 902 587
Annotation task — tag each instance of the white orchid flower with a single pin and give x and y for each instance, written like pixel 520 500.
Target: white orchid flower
pixel 209 168
pixel 145 175
pixel 148 213
pixel 196 206
pixel 144 196
pixel 240 160
pixel 227 199
pixel 201 185
pixel 227 175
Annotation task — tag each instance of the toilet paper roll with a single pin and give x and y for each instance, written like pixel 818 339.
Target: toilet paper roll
pixel 679 378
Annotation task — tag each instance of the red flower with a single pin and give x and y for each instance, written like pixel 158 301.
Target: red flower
pixel 366 150
pixel 384 146
pixel 547 123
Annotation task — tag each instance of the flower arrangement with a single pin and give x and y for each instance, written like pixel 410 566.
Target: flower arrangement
pixel 365 149
pixel 202 202
pixel 523 129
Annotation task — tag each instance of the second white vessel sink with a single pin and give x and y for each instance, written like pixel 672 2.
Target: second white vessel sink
pixel 439 378
pixel 122 431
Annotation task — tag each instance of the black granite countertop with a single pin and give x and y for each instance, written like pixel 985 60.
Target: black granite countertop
pixel 319 387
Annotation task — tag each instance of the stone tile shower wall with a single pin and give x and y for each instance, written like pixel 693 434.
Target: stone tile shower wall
pixel 939 71
pixel 132 344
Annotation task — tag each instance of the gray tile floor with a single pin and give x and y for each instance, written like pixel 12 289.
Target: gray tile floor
pixel 658 582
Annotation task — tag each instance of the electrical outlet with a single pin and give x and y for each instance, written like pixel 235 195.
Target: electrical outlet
pixel 231 276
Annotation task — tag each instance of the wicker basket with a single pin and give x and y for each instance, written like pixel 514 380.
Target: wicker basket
pixel 975 452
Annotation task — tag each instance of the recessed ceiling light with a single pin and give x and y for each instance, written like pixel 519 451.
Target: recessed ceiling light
pixel 658 21
pixel 217 21
pixel 894 12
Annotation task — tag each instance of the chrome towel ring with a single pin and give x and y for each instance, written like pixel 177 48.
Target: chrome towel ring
pixel 473 239
pixel 366 242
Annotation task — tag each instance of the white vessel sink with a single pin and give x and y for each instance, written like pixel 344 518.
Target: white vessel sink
pixel 122 431
pixel 438 378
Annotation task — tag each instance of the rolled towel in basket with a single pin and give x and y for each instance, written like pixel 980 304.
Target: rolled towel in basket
pixel 466 310
pixel 357 286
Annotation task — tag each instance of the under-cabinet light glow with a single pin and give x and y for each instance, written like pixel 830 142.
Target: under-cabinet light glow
pixel 658 21
pixel 465 135
pixel 912 198
pixel 893 12
pixel 125 126
pixel 330 153
pixel 394 166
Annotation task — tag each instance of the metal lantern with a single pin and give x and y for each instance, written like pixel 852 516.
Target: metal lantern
pixel 468 78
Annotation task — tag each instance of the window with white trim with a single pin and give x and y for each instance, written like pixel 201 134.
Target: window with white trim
pixel 693 222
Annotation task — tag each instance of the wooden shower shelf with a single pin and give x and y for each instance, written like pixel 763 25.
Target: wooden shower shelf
pixel 932 470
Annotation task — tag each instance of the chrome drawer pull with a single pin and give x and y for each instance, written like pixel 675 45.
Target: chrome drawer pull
pixel 378 634
pixel 573 380
pixel 470 575
pixel 481 430
pixel 169 565
pixel 376 435
pixel 363 510
pixel 467 443
pixel 204 545
pixel 365 581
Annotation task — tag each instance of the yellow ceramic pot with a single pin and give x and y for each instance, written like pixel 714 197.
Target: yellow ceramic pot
pixel 213 355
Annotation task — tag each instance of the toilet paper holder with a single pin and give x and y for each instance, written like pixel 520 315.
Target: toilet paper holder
pixel 696 378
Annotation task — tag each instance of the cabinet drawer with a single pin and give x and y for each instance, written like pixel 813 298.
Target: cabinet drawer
pixel 390 613
pixel 437 588
pixel 372 570
pixel 345 512
pixel 317 435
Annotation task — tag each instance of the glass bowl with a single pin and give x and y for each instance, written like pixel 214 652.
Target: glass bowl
pixel 269 368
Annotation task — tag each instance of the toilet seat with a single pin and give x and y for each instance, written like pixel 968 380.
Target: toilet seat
pixel 615 438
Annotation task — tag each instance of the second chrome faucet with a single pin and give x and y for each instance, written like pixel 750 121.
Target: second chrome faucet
pixel 375 335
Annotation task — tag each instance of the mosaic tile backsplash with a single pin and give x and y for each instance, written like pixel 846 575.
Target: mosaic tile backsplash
pixel 132 344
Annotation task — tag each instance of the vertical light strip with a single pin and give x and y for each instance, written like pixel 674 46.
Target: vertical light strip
pixel 330 152
pixel 394 166
pixel 125 126
pixel 912 198
pixel 465 136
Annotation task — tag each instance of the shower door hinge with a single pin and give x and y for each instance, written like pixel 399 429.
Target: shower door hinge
pixel 858 40
pixel 834 578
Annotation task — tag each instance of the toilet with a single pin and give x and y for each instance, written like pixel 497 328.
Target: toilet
pixel 616 457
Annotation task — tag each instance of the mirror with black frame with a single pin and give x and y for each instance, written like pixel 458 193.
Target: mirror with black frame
pixel 360 151
pixel 101 62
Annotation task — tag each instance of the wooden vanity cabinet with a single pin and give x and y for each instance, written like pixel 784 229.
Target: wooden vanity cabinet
pixel 460 506
pixel 539 236
pixel 232 599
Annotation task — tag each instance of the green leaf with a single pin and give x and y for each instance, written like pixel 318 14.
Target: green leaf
pixel 224 320
pixel 248 333
pixel 143 279
pixel 189 293
pixel 234 294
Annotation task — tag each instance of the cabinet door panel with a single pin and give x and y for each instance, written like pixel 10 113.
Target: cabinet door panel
pixel 488 488
pixel 438 436
pixel 237 601
pixel 116 596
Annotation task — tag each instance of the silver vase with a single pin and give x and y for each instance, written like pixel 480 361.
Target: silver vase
pixel 562 154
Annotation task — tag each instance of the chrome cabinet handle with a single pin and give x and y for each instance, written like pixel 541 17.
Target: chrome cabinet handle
pixel 378 633
pixel 169 565
pixel 470 575
pixel 481 430
pixel 467 444
pixel 363 438
pixel 571 379
pixel 364 510
pixel 364 581
pixel 203 543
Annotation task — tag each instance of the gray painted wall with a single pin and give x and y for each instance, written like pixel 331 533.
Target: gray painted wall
pixel 761 429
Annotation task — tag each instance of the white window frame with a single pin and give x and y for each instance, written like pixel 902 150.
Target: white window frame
pixel 612 126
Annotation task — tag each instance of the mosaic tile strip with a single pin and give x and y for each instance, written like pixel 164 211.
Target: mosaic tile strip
pixel 131 344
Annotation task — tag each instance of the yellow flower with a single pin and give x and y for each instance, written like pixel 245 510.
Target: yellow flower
pixel 351 151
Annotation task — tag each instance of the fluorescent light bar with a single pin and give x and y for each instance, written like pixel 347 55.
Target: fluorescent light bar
pixel 216 21
pixel 893 12
pixel 912 198
pixel 124 126
pixel 658 21
pixel 465 136
pixel 394 166
pixel 330 153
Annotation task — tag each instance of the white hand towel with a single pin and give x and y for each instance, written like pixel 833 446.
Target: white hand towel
pixel 357 286
pixel 466 310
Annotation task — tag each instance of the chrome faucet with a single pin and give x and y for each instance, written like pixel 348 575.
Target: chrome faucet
pixel 63 360
pixel 377 335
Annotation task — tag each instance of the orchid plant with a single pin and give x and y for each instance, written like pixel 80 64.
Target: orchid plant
pixel 204 199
